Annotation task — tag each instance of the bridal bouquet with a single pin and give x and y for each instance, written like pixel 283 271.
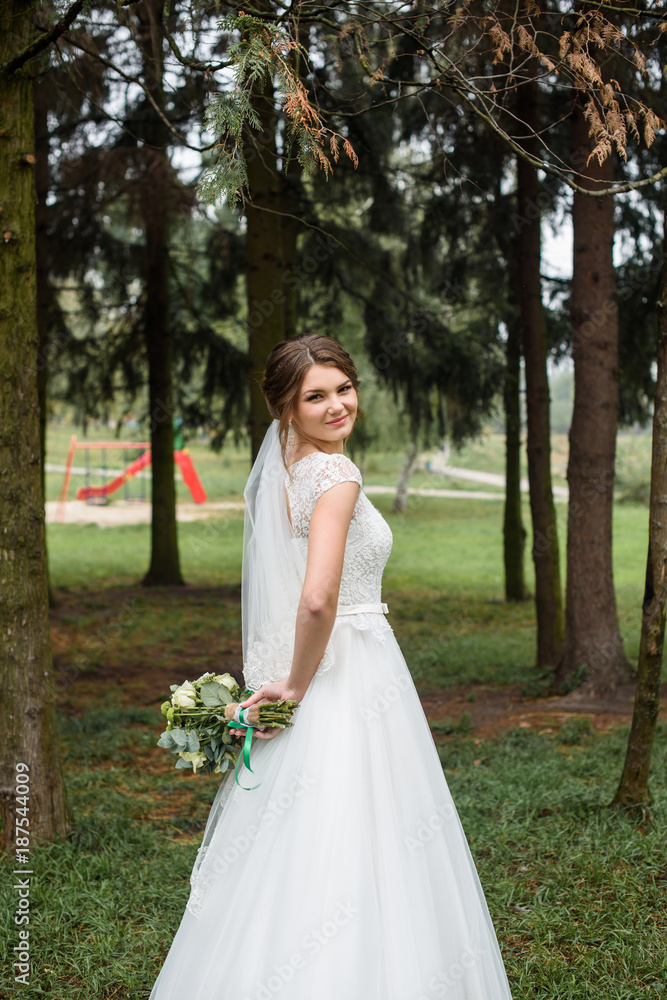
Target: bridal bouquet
pixel 199 716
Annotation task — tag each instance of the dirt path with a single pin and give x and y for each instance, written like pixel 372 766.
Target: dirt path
pixel 121 512
pixel 495 710
pixel 124 512
pixel 488 478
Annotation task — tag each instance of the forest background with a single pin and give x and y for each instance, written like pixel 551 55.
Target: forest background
pixel 181 187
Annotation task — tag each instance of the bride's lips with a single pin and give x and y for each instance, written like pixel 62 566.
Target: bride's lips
pixel 337 423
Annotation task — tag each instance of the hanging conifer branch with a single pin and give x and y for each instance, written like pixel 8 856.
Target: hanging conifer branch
pixel 569 58
pixel 264 50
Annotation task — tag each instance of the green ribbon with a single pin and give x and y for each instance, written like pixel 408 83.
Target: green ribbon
pixel 245 752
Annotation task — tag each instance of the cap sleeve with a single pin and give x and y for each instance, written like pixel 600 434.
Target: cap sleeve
pixel 334 469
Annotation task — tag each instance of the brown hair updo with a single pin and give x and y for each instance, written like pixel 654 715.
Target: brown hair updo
pixel 286 366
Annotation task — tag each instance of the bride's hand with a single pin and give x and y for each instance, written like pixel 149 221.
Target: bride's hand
pixel 267 693
pixel 271 692
pixel 265 734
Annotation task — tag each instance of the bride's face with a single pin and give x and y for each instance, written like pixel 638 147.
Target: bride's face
pixel 326 405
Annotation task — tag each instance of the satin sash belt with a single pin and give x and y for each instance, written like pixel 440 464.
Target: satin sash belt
pixel 362 609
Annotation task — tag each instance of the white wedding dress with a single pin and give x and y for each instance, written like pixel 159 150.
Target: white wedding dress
pixel 346 874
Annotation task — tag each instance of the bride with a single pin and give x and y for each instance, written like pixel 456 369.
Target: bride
pixel 343 872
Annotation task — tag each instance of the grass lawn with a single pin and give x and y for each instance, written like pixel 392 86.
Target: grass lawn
pixel 577 893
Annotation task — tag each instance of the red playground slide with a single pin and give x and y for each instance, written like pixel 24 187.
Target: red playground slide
pixel 182 459
pixel 190 477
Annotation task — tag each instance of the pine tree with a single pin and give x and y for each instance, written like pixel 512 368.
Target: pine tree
pixel 527 274
pixel 633 790
pixel 593 650
pixel 29 737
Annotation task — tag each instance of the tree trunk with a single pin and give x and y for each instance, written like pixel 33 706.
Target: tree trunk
pixel 593 651
pixel 40 94
pixel 165 563
pixel 28 736
pixel 633 791
pixel 164 566
pixel 401 498
pixel 514 533
pixel 289 232
pixel 548 595
pixel 267 299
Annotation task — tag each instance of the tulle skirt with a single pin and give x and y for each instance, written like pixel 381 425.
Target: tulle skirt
pixel 346 874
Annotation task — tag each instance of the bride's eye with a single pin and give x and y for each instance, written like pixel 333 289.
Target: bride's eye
pixel 344 388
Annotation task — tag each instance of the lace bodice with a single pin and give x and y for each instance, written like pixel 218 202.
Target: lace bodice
pixel 369 539
pixel 367 549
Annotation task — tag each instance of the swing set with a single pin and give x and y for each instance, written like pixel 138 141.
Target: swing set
pixel 100 494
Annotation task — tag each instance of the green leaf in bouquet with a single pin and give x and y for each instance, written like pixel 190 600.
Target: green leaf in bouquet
pixel 225 696
pixel 179 736
pixel 210 753
pixel 166 740
pixel 192 741
pixel 213 694
pixel 183 765
pixel 225 764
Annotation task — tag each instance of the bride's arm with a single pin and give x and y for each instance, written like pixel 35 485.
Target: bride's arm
pixel 315 617
pixel 316 613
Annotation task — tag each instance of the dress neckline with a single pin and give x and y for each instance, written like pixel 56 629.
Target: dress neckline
pixel 310 455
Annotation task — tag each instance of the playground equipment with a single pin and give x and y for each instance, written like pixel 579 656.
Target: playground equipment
pixel 100 494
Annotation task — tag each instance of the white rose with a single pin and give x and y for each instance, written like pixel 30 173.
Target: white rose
pixel 185 696
pixel 228 681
